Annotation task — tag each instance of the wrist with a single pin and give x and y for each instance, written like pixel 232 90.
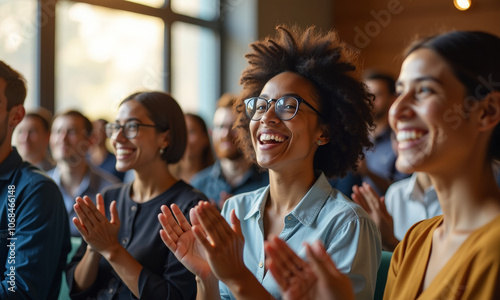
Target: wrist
pixel 112 252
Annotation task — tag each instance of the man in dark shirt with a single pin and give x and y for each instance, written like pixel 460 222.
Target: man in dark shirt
pixel 34 231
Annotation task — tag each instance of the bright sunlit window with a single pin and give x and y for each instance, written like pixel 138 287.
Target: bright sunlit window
pixel 91 56
pixel 103 55
pixel 18 37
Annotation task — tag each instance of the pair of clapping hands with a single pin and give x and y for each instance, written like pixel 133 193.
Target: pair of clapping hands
pixel 211 247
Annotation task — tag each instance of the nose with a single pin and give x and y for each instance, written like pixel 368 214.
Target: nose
pixel 401 109
pixel 270 115
pixel 118 135
pixel 22 136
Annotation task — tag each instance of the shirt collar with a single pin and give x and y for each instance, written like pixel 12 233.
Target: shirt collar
pixel 414 191
pixel 10 164
pixel 308 208
pixel 84 184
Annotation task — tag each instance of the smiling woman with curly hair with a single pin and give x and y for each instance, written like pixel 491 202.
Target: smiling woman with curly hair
pixel 303 114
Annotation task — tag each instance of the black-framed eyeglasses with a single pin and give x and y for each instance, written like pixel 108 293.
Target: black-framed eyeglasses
pixel 130 129
pixel 286 107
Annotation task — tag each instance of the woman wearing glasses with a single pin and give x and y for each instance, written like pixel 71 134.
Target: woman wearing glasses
pixel 305 115
pixel 123 256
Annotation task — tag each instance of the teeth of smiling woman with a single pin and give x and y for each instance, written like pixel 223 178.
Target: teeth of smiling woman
pixel 123 151
pixel 409 135
pixel 271 137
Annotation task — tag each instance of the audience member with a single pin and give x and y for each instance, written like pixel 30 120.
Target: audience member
pixel 379 166
pixel 406 202
pixel 232 173
pixel 34 230
pixel 126 259
pixel 99 154
pixel 446 120
pixel 198 154
pixel 307 117
pixel 69 142
pixel 32 139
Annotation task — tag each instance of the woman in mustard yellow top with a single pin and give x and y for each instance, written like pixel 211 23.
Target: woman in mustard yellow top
pixel 446 121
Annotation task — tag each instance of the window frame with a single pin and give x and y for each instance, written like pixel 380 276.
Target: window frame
pixel 46 40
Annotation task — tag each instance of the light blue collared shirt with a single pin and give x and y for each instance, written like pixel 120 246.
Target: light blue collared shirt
pixel 93 182
pixel 350 236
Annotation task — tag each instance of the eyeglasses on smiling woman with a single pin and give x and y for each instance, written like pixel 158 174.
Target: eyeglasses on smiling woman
pixel 130 129
pixel 286 107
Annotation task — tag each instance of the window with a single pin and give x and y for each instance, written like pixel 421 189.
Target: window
pixel 90 54
pixel 18 37
pixel 104 55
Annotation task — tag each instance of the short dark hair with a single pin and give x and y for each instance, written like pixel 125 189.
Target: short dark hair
pixel 474 58
pixel 75 113
pixel 330 65
pixel 15 91
pixel 166 113
pixel 390 82
pixel 45 123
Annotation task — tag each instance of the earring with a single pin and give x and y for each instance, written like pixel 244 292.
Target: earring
pixel 161 151
pixel 319 142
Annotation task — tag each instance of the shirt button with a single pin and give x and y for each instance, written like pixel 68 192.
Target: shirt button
pixel 289 218
pixel 124 241
pixel 110 291
pixel 133 208
pixel 261 264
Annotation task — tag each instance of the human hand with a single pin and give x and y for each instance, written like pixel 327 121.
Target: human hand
pixel 177 235
pixel 294 276
pixel 97 231
pixel 223 244
pixel 317 279
pixel 374 205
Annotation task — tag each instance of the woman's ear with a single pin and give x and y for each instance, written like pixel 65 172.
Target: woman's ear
pixel 325 136
pixel 165 139
pixel 490 111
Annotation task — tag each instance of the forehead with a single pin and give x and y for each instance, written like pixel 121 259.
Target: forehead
pixel 289 83
pixel 224 115
pixel 68 121
pixel 377 85
pixel 31 123
pixel 132 110
pixel 425 62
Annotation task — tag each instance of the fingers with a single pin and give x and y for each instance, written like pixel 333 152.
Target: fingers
pixel 171 245
pixel 236 224
pixel 288 269
pixel 371 196
pixel 383 208
pixel 321 261
pixel 357 197
pixel 214 225
pixel 168 223
pixel 100 204
pixel 114 213
pixel 84 214
pixel 79 226
pixel 181 219
pixel 207 244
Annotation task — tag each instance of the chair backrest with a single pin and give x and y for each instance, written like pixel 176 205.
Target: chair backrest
pixel 383 269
